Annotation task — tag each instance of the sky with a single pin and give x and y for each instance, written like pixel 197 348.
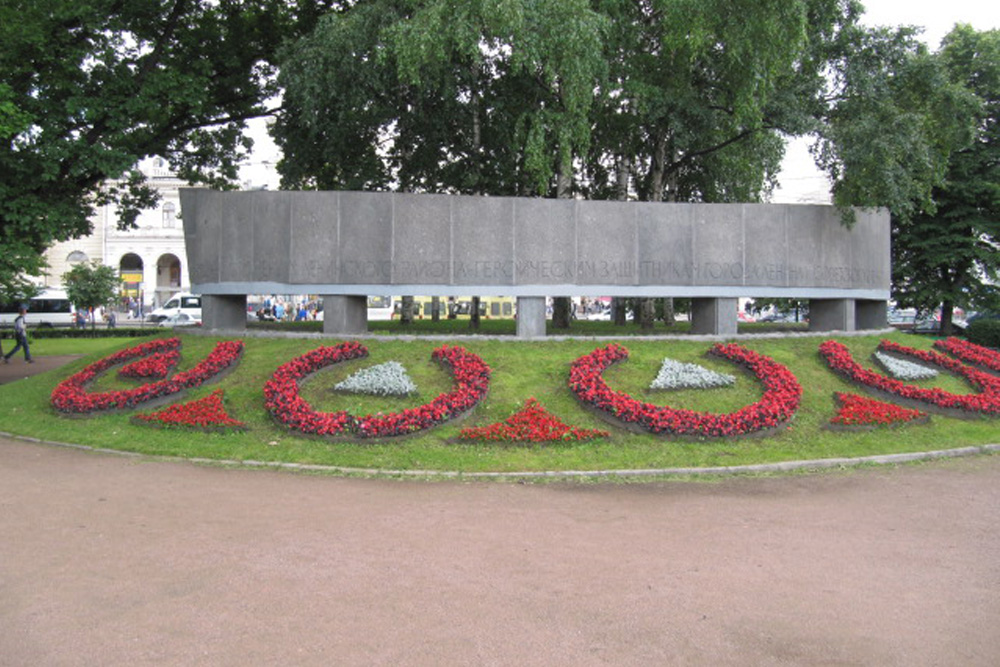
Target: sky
pixel 800 181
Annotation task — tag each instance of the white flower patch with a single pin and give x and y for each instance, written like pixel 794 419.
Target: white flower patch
pixel 388 379
pixel 902 369
pixel 678 375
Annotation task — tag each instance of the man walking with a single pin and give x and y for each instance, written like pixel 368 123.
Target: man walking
pixel 21 336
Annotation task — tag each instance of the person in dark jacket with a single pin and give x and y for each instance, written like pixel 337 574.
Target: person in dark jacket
pixel 21 336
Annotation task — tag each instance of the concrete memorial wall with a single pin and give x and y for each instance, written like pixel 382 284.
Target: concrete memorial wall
pixel 347 245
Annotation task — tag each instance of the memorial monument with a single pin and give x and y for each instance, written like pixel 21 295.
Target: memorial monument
pixel 347 245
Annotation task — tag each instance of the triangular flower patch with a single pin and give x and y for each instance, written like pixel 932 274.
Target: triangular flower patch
pixel 678 375
pixel 205 413
pixel 901 369
pixel 388 379
pixel 532 423
pixel 858 410
pixel 154 367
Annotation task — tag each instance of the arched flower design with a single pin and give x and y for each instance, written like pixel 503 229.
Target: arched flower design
pixel 284 401
pixel 987 402
pixel 779 403
pixel 970 353
pixel 71 395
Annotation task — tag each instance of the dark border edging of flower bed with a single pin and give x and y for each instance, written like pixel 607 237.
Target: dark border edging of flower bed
pixel 750 469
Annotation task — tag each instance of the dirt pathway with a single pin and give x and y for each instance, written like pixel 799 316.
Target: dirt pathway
pixel 106 560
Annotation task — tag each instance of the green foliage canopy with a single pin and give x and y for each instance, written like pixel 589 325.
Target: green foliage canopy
pixel 90 87
pixel 948 251
pixel 91 285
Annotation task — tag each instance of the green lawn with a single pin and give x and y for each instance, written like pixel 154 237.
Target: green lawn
pixel 520 370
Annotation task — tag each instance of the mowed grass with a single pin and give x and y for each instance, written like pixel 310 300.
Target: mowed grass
pixel 520 370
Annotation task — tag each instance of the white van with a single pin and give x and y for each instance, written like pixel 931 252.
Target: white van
pixel 189 304
pixel 51 308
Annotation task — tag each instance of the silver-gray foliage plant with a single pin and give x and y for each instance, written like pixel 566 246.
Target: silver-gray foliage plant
pixel 388 379
pixel 902 369
pixel 679 375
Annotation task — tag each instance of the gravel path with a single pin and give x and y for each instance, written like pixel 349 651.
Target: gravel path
pixel 109 560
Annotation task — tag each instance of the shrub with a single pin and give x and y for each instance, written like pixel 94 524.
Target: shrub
pixel 984 332
pixel 98 332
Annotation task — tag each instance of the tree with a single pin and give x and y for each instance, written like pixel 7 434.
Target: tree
pixel 471 97
pixel 90 87
pixel 948 253
pixel 655 100
pixel 91 285
pixel 893 119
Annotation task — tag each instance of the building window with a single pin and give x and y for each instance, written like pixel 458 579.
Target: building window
pixel 169 215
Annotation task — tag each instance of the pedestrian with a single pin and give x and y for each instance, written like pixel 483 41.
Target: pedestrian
pixel 21 336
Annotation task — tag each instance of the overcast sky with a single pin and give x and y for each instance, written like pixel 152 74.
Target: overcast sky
pixel 800 180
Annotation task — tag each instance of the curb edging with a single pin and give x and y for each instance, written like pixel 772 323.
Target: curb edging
pixel 756 468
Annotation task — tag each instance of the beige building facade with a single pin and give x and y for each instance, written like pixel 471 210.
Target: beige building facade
pixel 151 259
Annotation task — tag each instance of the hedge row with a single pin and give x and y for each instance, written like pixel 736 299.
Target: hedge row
pixel 100 332
pixel 984 332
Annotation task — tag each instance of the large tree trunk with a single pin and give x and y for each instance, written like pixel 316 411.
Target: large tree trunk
pixel 947 317
pixel 645 313
pixel 406 311
pixel 562 305
pixel 618 311
pixel 474 314
pixel 435 309
pixel 648 314
pixel 618 314
pixel 669 317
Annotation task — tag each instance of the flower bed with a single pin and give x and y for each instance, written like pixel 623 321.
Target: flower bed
pixel 984 357
pixel 71 395
pixel 207 413
pixel 776 407
pixel 839 358
pixel 284 401
pixel 532 423
pixel 855 410
pixel 155 367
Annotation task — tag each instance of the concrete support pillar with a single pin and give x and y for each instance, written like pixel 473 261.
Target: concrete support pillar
pixel 831 315
pixel 871 314
pixel 714 316
pixel 224 312
pixel 531 317
pixel 345 315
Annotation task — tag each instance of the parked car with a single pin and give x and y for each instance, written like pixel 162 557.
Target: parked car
pixel 902 319
pixel 189 304
pixel 180 320
pixel 932 325
pixel 982 315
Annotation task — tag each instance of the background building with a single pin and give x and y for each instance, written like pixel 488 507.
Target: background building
pixel 150 259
